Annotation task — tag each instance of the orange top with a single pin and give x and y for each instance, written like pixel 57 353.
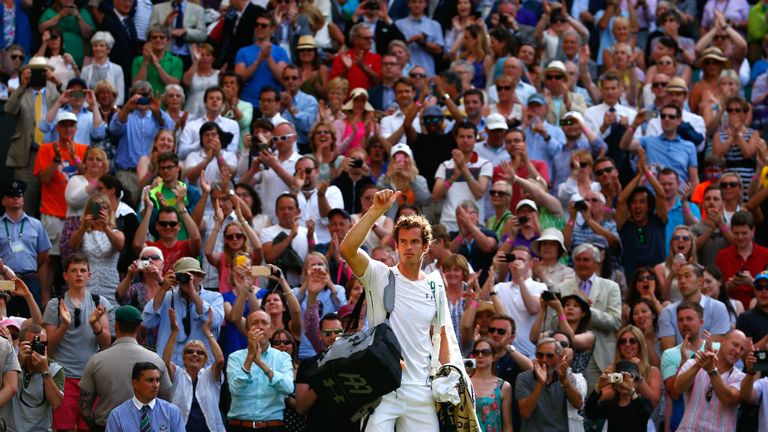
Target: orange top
pixel 53 202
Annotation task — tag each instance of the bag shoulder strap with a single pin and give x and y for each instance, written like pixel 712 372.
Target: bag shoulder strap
pixel 389 304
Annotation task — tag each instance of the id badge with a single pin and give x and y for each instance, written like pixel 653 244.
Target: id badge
pixel 17 247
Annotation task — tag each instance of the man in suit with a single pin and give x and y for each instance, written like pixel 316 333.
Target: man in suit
pixel 605 300
pixel 374 14
pixel 185 22
pixel 235 30
pixel 382 96
pixel 28 103
pixel 119 22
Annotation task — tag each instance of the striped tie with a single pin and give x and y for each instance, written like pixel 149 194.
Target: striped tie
pixel 145 425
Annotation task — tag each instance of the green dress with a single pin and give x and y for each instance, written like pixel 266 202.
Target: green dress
pixel 74 44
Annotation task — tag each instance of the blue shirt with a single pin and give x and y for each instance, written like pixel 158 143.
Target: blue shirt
pixel 136 136
pixel 564 158
pixel 33 238
pixel 410 27
pixel 159 319
pixel 677 154
pixel 262 77
pixel 675 218
pixel 716 319
pixel 163 416
pixel 85 129
pixel 254 396
pixel 539 149
pixel 325 305
pixel 306 113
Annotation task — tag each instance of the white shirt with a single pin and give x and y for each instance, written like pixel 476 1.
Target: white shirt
pixel 207 392
pixel 391 123
pixel 653 128
pixel 411 320
pixel 596 115
pixel 459 191
pixel 272 186
pixel 212 172
pixel 512 299
pixel 189 140
pixel 310 210
pixel 299 244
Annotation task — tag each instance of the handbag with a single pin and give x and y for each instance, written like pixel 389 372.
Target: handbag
pixel 357 370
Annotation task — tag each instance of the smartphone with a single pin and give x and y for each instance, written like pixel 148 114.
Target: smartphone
pixel 580 205
pixel 95 210
pixel 144 100
pixel 650 115
pixel 260 271
pixel 7 286
pixel 240 260
pixel 77 94
pixel 762 361
pixel 372 5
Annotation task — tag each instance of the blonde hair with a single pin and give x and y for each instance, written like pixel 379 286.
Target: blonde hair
pixel 458 261
pixel 305 266
pixel 105 203
pixel 691 256
pixel 338 84
pixel 642 352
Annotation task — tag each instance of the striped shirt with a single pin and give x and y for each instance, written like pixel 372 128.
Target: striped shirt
pixel 702 415
pixel 163 416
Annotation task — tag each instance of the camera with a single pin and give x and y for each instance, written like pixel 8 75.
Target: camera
pixel 37 346
pixel 509 257
pixel 183 278
pixel 580 205
pixel 372 5
pixel 523 219
pixel 549 295
pixel 762 361
pixel 142 264
pixel 615 377
pixel 357 163
pixel 144 100
pixel 470 363
pixel 37 78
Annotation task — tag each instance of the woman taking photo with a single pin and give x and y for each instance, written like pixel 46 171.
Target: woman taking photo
pixel 147 167
pixel 358 123
pixel 314 73
pixel 493 395
pixel 196 387
pixel 200 76
pixel 99 67
pixel 682 249
pixel 403 175
pixel 573 317
pixel 64 67
pixel 80 189
pixel 75 27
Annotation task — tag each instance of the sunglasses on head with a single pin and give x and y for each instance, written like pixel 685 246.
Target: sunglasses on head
pixel 151 258
pixel 235 236
pixel 280 342
pixel 606 170
pixel 549 355
pixel 194 351
pixel 726 185
pixel 628 341
pixel 681 238
pixel 482 352
pixel 330 332
pixel 500 331
pixel 167 224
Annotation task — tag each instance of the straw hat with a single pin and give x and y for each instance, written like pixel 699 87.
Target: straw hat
pixel 306 42
pixel 37 62
pixel 357 92
pixel 713 53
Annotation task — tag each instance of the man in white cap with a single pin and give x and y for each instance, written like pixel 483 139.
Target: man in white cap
pixel 561 100
pixel 493 148
pixel 28 104
pixel 55 163
pixel 577 137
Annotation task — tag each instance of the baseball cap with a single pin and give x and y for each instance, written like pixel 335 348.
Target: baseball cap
pixel 537 98
pixel 77 82
pixel 433 111
pixel 576 115
pixel 526 202
pixel 66 116
pixel 496 121
pixel 763 275
pixel 401 148
pixel 128 314
pixel 339 211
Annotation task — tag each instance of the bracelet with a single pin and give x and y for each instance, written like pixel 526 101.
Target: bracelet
pixel 474 303
pixel 571 223
pixel 724 228
pixel 243 369
pixel 562 318
pixel 210 335
pixel 648 175
pixel 686 210
pixel 448 184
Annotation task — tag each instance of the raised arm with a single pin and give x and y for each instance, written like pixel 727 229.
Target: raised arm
pixel 170 344
pixel 350 246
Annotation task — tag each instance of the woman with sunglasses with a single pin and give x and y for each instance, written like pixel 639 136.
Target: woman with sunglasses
pixel 682 249
pixel 733 197
pixel 141 283
pixel 314 73
pixel 573 315
pixel 737 142
pixel 75 27
pixel 12 62
pixel 493 395
pixel 631 346
pixel 508 105
pixel 580 182
pixel 196 387
pixel 711 63
pixel 714 107
pixel 643 286
pixel 714 287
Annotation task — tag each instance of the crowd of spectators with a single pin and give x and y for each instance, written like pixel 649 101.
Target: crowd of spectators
pixel 183 174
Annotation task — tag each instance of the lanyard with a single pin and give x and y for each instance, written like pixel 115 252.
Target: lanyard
pixel 21 230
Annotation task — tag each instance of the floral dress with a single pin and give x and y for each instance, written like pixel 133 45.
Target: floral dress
pixel 489 410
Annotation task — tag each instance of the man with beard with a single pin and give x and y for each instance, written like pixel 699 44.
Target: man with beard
pixel 509 361
pixel 716 321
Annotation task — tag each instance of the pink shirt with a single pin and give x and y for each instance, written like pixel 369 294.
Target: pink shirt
pixel 703 415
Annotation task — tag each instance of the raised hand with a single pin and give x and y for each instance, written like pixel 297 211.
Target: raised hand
pixel 209 321
pixel 384 199
pixel 172 320
pixel 66 317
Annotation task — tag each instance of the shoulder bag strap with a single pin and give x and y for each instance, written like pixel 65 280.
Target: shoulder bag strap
pixel 389 304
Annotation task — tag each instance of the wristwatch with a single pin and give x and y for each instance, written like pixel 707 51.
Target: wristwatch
pixel 512 349
pixel 45 374
pixel 714 372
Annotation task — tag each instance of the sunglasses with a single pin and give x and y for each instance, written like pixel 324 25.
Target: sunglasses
pixel 735 110
pixel 567 122
pixel 433 120
pixel 280 342
pixel 151 257
pixel 629 341
pixel 646 278
pixel 167 224
pixel 500 331
pixel 761 287
pixel 607 170
pixel 497 193
pixel 660 84
pixel 336 332
pixel 262 25
pixel 548 355
pixel 583 164
pixel 17 57
pixel 282 138
pixel 503 88
pixel 194 351
pixel 482 352
pixel 681 238
pixel 668 116
pixel 726 185
pixel 418 75
pixel 291 78
pixel 235 236
pixel 54 36
pixel 554 77
pixel 712 62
